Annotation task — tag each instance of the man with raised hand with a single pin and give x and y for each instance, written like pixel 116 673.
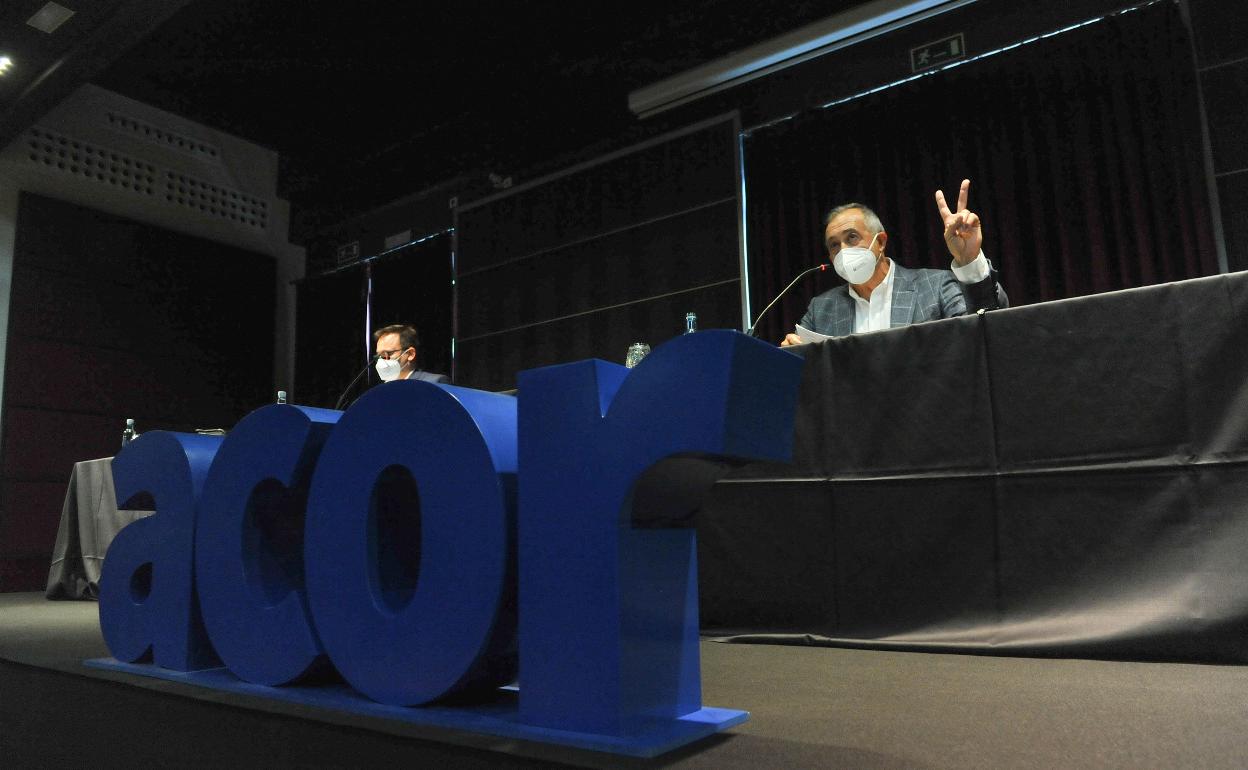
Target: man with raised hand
pixel 880 294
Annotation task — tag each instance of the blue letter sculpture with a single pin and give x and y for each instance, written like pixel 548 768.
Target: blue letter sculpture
pixel 440 549
pixel 608 612
pixel 408 617
pixel 147 587
pixel 249 544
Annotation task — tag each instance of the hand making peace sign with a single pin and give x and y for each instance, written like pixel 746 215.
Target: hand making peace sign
pixel 963 233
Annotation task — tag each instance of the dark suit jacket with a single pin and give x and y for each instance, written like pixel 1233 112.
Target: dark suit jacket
pixel 429 376
pixel 416 375
pixel 918 296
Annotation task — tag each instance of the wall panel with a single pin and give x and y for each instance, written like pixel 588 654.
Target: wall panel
pixel 410 285
pixel 32 533
pixel 582 263
pixel 113 319
pixel 492 362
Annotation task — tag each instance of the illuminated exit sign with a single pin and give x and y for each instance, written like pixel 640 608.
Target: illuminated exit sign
pixel 934 54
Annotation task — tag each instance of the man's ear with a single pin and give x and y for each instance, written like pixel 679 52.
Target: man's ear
pixel 881 238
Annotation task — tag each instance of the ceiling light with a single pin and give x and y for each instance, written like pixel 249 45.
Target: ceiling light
pixel 5 65
pixel 49 17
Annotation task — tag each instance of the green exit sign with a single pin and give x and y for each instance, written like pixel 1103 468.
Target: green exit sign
pixel 937 53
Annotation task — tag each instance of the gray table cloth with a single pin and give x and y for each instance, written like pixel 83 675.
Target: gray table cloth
pixel 90 520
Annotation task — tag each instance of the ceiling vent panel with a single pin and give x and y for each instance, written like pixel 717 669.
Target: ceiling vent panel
pixel 60 154
pixel 162 137
pixel 56 152
pixel 123 157
pixel 215 201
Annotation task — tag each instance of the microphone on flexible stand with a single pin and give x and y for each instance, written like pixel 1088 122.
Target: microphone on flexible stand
pixel 350 385
pixel 800 276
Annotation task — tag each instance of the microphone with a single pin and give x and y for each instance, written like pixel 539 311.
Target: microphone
pixel 372 360
pixel 800 276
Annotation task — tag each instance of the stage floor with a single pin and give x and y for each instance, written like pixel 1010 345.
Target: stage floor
pixel 810 707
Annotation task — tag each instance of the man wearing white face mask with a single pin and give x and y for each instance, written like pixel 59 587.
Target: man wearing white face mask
pixel 880 294
pixel 396 355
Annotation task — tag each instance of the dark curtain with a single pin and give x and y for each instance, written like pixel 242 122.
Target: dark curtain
pixel 413 286
pixel 329 344
pixel 1083 150
pixel 111 319
pixel 600 256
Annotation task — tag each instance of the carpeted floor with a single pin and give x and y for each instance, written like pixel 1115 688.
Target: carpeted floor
pixel 811 707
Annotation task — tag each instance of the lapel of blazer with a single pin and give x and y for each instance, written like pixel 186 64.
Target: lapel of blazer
pixel 903 297
pixel 843 313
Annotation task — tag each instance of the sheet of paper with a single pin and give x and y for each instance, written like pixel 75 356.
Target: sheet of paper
pixel 808 336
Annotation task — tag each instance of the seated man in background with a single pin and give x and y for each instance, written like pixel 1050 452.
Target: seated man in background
pixel 879 294
pixel 396 355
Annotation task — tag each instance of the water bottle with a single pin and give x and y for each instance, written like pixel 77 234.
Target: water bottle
pixel 128 434
pixel 691 323
pixel 281 396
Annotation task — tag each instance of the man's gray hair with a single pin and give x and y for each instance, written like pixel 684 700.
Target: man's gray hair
pixel 872 221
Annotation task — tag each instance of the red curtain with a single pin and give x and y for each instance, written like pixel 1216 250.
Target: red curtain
pixel 1083 150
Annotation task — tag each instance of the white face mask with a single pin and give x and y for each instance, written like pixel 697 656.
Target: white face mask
pixel 388 371
pixel 856 264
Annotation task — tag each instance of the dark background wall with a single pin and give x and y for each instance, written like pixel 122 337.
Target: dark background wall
pixel 1082 146
pixel 113 319
pixel 600 124
pixel 410 285
pixel 1220 32
pixel 587 262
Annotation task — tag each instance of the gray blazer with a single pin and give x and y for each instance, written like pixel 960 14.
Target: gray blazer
pixel 918 296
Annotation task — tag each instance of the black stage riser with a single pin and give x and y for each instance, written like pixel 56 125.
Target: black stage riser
pixel 1060 479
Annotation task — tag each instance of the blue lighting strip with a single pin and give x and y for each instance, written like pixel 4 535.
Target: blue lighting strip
pixel 454 231
pixel 401 246
pixel 368 315
pixel 958 63
pixel 378 255
pixel 745 238
pixel 983 55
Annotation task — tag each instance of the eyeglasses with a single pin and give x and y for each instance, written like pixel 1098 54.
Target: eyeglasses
pixel 386 355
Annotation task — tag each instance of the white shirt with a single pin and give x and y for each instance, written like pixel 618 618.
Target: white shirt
pixel 876 312
pixel 873 314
